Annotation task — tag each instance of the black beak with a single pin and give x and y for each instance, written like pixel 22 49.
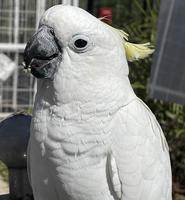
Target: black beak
pixel 42 53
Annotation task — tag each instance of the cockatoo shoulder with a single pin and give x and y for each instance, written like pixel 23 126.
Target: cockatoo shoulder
pixel 141 154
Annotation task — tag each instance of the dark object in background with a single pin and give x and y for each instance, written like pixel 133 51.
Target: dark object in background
pixel 90 6
pixel 14 136
pixel 168 70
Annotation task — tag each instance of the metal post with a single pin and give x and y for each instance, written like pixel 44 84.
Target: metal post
pixel 1 96
pixel 10 23
pixel 40 8
pixel 64 1
pixel 16 38
pixel 18 183
pixel 14 136
pixel 76 3
pixel 69 2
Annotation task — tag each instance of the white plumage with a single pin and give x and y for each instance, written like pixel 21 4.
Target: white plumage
pixel 91 137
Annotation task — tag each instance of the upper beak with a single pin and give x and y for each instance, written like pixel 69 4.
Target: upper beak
pixel 41 51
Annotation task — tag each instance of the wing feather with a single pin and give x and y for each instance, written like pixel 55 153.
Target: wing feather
pixel 141 154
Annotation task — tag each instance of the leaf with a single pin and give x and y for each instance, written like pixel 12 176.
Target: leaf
pixel 179 132
pixel 138 85
pixel 170 115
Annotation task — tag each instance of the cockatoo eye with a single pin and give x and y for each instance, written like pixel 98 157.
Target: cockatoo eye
pixel 80 43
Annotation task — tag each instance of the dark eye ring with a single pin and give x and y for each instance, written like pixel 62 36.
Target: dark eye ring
pixel 80 43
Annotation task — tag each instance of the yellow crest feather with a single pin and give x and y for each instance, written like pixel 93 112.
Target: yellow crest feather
pixel 137 51
pixel 133 51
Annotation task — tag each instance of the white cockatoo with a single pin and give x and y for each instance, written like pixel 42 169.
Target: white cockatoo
pixel 91 138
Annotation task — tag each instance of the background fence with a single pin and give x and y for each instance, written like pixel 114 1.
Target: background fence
pixel 18 21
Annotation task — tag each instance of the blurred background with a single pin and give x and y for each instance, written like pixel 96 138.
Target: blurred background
pixel 163 89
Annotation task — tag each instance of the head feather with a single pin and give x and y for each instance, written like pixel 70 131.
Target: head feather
pixel 133 51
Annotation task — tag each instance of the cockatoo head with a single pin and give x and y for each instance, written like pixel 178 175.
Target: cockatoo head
pixel 79 57
pixel 70 38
